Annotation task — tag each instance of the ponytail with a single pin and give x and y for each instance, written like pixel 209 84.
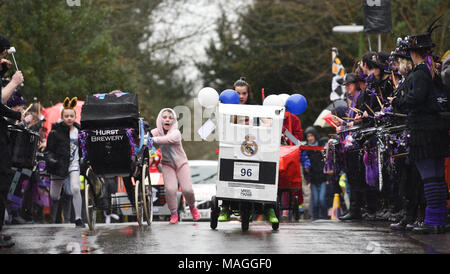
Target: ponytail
pixel 431 65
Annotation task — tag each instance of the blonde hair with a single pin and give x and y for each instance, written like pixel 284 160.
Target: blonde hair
pixel 404 65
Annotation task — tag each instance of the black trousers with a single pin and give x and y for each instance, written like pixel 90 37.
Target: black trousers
pixel 5 183
pixel 361 194
pixel 411 190
pixel 390 196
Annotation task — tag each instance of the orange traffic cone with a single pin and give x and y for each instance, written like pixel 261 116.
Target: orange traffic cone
pixel 336 211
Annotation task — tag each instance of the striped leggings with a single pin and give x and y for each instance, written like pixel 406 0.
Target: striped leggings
pixel 436 191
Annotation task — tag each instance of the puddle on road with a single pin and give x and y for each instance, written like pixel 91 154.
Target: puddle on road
pixel 106 236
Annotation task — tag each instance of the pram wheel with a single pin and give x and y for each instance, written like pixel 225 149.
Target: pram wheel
pixel 214 212
pixel 143 198
pixel 245 209
pixel 275 226
pixel 139 203
pixel 148 196
pixel 91 212
pixel 295 209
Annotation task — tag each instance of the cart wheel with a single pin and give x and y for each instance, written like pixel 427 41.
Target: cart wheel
pixel 295 209
pixel 290 212
pixel 278 209
pixel 275 226
pixel 89 203
pixel 148 197
pixel 138 199
pixel 214 212
pixel 245 215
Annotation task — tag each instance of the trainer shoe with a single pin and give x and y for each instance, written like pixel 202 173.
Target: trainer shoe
pixel 173 219
pixel 224 215
pixel 6 244
pixel 195 214
pixel 5 237
pixel 79 223
pixel 271 217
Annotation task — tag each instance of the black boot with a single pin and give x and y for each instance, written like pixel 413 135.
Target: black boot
pixel 445 228
pixel 5 244
pixel 54 210
pixel 5 237
pixel 351 215
pixel 413 225
pixel 354 212
pixel 79 223
pixel 370 216
pixel 428 229
pixel 400 226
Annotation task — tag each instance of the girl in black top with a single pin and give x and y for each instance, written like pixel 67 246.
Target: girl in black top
pixel 63 157
pixel 429 139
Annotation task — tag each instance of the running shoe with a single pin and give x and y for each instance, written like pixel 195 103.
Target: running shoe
pixel 224 215
pixel 195 214
pixel 173 219
pixel 271 217
pixel 79 223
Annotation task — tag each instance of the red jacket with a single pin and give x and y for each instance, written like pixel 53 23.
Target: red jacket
pixel 294 125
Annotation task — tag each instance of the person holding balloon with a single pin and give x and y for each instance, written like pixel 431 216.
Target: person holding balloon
pixel 295 104
pixel 292 123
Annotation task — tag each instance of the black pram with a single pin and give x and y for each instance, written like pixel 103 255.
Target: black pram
pixel 112 144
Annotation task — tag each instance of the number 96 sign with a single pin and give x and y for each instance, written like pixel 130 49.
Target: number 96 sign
pixel 246 171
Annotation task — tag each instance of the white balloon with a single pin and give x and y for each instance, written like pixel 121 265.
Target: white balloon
pixel 284 97
pixel 273 100
pixel 208 97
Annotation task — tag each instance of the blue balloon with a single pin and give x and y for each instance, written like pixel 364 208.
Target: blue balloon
pixel 296 104
pixel 229 96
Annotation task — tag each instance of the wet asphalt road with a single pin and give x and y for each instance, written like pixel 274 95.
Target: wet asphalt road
pixel 304 237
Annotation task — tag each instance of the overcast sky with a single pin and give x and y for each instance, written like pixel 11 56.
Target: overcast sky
pixel 180 18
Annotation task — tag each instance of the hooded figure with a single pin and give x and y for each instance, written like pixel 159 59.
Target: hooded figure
pixel 316 177
pixel 174 162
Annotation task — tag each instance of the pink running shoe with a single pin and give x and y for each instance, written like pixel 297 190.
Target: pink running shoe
pixel 173 219
pixel 195 214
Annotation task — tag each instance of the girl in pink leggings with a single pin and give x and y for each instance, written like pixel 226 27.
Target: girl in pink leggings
pixel 174 163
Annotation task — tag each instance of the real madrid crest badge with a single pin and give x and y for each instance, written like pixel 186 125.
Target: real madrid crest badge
pixel 249 146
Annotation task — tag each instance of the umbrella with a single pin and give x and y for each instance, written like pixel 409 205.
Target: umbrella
pixel 53 114
pixel 337 106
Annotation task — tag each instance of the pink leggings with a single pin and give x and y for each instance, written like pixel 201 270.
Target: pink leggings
pixel 172 177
